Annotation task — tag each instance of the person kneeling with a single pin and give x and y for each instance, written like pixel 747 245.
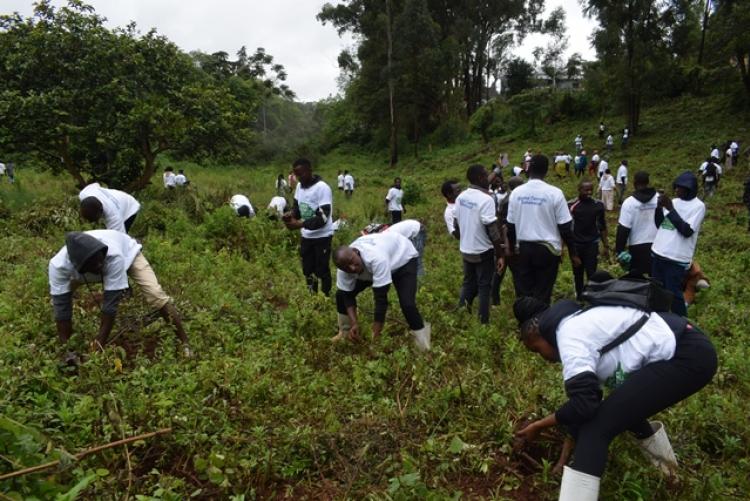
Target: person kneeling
pixel 109 256
pixel 651 362
pixel 376 261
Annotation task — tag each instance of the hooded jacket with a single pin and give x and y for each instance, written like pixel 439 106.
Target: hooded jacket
pixel 82 247
pixel 688 181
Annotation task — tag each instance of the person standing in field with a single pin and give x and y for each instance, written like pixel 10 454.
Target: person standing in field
pixel 602 129
pixel 715 153
pixel 118 208
pixel 625 138
pixel 378 260
pixel 594 165
pixel 664 361
pixel 180 179
pixel 242 206
pixel 10 171
pixel 635 227
pixel 621 180
pixel 169 178
pixel 450 190
pixel 340 181
pixel 581 163
pixel 610 144
pixel 579 143
pixel 735 147
pixel 589 228
pixel 711 172
pixel 348 184
pixel 539 220
pixel 109 257
pixel 603 166
pixel 607 190
pixel 481 240
pixel 394 201
pixel 678 222
pixel 312 214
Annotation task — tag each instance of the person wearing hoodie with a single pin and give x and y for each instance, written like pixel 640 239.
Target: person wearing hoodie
pixel 312 214
pixel 378 260
pixel 110 257
pixel 118 208
pixel 650 362
pixel 678 222
pixel 589 228
pixel 635 227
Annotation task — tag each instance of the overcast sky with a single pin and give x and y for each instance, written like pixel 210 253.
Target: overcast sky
pixel 286 28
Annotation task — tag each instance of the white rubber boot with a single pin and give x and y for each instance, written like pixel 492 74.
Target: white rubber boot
pixel 578 486
pixel 422 337
pixel 345 326
pixel 658 449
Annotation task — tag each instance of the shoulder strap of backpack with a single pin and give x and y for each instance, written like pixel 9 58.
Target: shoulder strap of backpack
pixel 629 332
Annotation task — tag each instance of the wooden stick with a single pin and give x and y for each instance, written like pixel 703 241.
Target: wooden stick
pixel 83 454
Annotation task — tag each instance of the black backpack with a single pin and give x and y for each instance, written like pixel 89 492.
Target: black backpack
pixel 711 171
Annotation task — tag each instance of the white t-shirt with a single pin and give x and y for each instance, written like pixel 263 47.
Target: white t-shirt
pixel 309 201
pixel 169 179
pixel 734 146
pixel 278 204
pixel 607 183
pixel 625 133
pixel 180 180
pixel 622 175
pixel 610 140
pixel 409 228
pixel 117 206
pixel 729 152
pixel 536 208
pixel 449 215
pixel 580 336
pixel 394 197
pixel 348 182
pixel 474 210
pixel 121 252
pixel 668 242
pixel 239 201
pixel 2 169
pixel 382 254
pixel 560 158
pixel 710 179
pixel 715 153
pixel 603 166
pixel 595 158
pixel 517 171
pixel 340 181
pixel 639 219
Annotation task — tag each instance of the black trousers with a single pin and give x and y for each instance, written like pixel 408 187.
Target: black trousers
pixel 640 259
pixel 477 282
pixel 405 282
pixel 129 222
pixel 396 216
pixel 316 254
pixel 653 388
pixel 589 254
pixel 535 271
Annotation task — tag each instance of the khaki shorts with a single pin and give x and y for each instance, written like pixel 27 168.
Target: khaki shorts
pixel 143 275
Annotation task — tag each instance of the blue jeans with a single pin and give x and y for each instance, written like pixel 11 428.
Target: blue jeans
pixel 477 281
pixel 671 274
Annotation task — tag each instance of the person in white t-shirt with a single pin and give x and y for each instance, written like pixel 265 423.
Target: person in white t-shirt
pixel 610 143
pixel 180 179
pixel 312 214
pixel 169 178
pixel 109 257
pixel 417 235
pixel 679 222
pixel 450 190
pixel 348 183
pixel 625 138
pixel 276 207
pixel 242 206
pixel 539 220
pixel 621 180
pixel 394 201
pixel 517 171
pixel 715 153
pixel 607 190
pixel 664 361
pixel 2 169
pixel 579 143
pixel 711 173
pixel 118 208
pixel 481 240
pixel 635 227
pixel 603 165
pixel 594 165
pixel 340 181
pixel 378 260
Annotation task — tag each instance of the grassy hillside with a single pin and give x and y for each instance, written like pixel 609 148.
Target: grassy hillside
pixel 269 407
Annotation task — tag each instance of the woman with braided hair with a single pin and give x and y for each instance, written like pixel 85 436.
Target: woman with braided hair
pixel 650 362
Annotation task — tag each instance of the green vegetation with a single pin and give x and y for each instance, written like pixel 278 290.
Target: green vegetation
pixel 270 407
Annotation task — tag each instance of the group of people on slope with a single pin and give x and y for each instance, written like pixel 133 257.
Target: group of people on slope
pixel 172 180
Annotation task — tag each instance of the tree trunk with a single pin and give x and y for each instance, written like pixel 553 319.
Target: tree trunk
pixel 393 145
pixel 742 66
pixel 149 168
pixel 633 97
pixel 703 31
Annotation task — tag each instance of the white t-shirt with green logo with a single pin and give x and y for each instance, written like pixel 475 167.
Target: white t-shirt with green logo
pixel 669 243
pixel 309 201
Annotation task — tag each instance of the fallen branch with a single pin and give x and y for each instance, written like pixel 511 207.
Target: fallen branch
pixel 83 454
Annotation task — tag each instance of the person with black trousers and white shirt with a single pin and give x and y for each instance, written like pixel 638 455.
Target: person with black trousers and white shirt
pixel 394 201
pixel 378 260
pixel 311 213
pixel 481 241
pixel 589 227
pixel 664 361
pixel 635 227
pixel 621 180
pixel 539 221
pixel 678 222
